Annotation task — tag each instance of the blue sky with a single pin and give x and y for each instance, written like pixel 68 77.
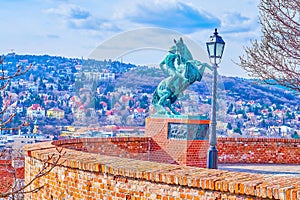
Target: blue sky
pixel 75 28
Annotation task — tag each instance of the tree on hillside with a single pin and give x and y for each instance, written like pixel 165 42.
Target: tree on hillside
pixel 230 108
pixel 295 135
pixel 11 175
pixel 237 130
pixel 229 126
pixel 276 58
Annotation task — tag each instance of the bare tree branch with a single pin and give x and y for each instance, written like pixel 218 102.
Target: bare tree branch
pixel 13 189
pixel 275 59
pixel 48 165
pixel 20 71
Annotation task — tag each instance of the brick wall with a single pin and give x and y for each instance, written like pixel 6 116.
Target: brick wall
pixel 86 175
pixel 259 150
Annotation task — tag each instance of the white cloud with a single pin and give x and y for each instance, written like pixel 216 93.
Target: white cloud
pixel 76 17
pixel 69 11
pixel 235 22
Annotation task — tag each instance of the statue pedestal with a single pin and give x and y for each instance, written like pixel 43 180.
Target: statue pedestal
pixel 179 140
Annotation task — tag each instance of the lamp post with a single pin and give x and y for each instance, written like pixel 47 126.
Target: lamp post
pixel 215 47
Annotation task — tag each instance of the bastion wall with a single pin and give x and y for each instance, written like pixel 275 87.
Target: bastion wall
pixel 121 168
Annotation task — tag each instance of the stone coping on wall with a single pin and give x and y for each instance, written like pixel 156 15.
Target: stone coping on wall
pixel 252 185
pixel 259 140
pixel 97 140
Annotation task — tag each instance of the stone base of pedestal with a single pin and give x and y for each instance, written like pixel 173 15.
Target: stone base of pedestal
pixel 182 140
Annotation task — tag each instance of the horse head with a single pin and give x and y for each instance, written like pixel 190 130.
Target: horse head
pixel 183 51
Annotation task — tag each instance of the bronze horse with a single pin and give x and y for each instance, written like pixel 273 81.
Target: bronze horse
pixel 187 72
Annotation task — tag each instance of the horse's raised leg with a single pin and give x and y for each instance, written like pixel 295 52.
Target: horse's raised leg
pixel 208 66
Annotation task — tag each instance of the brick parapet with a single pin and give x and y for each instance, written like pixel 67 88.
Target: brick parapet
pixel 93 176
pixel 259 150
pixel 230 150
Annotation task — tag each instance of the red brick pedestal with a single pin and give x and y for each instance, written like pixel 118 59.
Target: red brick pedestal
pixel 182 140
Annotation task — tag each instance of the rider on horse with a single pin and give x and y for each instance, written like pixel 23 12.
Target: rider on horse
pixel 170 63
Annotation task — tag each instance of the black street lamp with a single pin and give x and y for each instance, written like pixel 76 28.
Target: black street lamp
pixel 215 47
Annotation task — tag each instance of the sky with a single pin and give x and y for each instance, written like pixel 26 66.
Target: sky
pixel 76 28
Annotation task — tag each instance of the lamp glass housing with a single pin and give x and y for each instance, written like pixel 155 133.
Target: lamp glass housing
pixel 215 46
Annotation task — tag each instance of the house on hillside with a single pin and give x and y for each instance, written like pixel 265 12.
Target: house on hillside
pixel 79 114
pixel 33 87
pixel 125 99
pixel 55 113
pixel 36 111
pixel 74 103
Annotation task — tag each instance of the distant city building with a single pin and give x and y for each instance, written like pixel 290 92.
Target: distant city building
pixel 51 86
pixel 15 108
pixel 104 76
pixel 79 114
pixel 33 87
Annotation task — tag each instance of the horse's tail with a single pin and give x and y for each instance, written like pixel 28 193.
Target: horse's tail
pixel 155 97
